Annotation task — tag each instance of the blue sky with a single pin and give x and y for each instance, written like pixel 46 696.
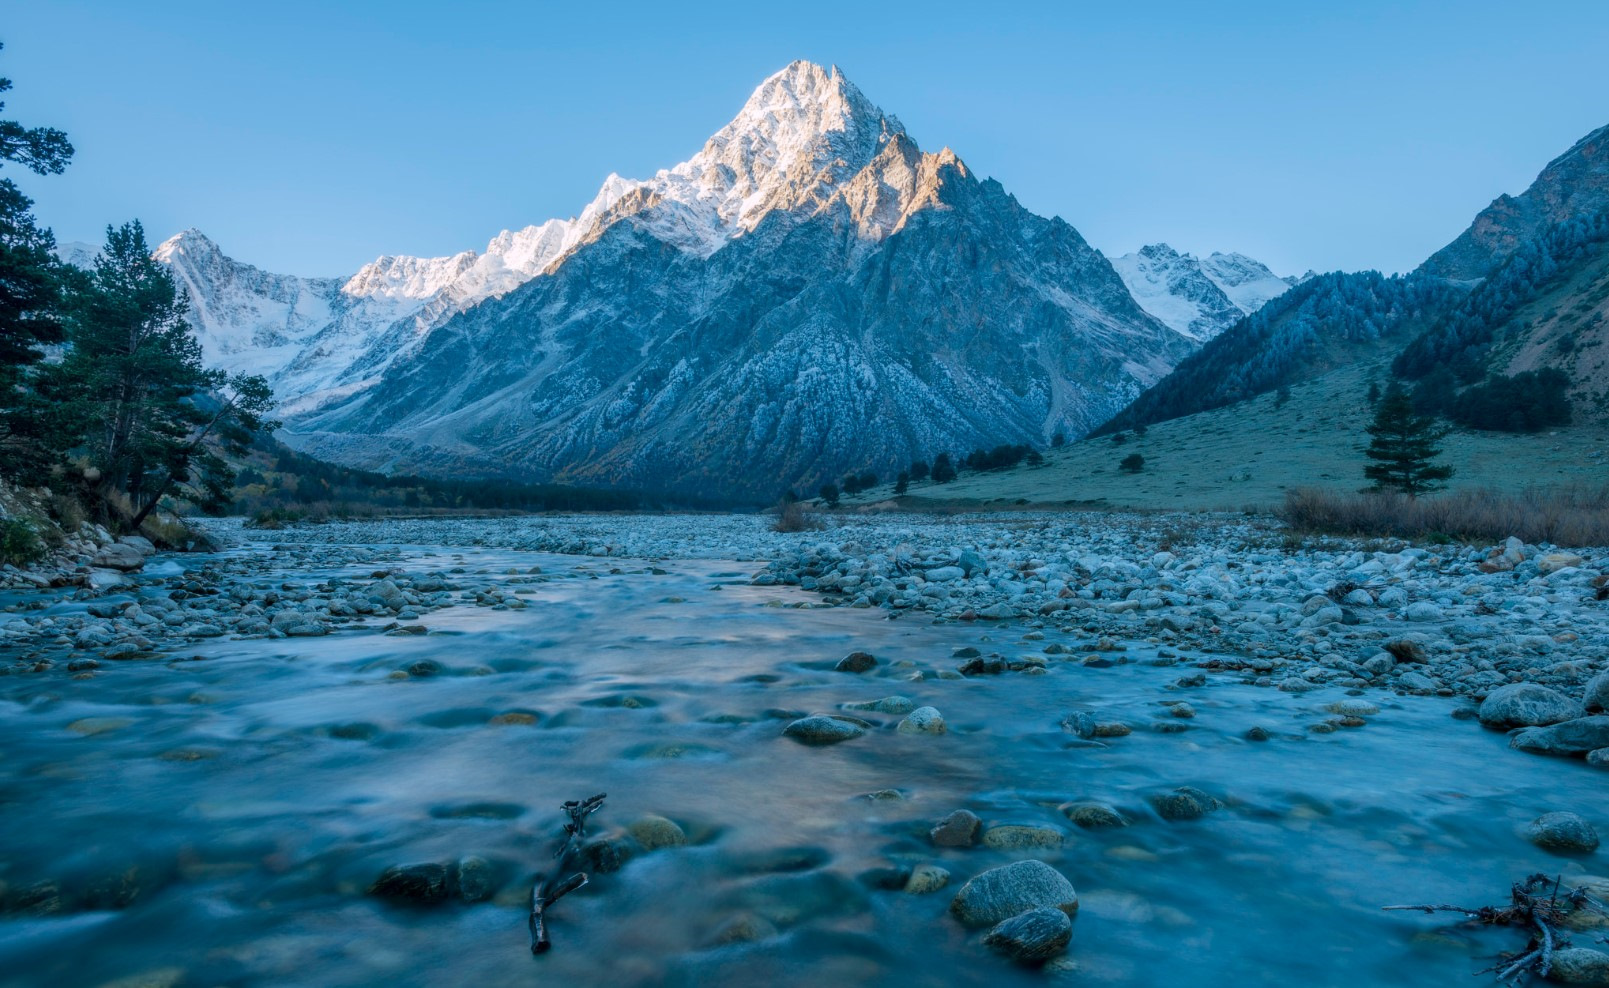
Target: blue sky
pixel 311 137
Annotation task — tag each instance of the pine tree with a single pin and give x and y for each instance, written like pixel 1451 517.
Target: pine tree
pixel 902 483
pixel 148 417
pixel 30 295
pixel 943 469
pixel 1403 447
pixel 829 493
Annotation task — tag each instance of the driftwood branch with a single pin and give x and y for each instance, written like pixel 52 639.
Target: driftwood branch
pixel 1534 905
pixel 551 887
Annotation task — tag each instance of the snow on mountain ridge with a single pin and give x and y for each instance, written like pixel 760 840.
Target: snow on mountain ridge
pixel 1197 297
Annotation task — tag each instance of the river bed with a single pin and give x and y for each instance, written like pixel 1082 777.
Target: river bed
pixel 215 816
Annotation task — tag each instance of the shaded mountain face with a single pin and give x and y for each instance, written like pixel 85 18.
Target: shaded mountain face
pixel 1199 298
pixel 811 293
pixel 1574 184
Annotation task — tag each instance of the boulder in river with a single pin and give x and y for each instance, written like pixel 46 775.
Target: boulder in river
pixel 923 720
pixel 1010 890
pixel 857 662
pixel 1036 935
pixel 820 730
pixel 1571 737
pixel 1580 966
pixel 654 832
pixel 1011 837
pixel 1526 705
pixel 1184 803
pixel 1566 833
pixel 959 829
pixel 1092 815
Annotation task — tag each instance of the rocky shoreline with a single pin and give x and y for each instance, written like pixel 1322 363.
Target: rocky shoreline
pixel 1522 630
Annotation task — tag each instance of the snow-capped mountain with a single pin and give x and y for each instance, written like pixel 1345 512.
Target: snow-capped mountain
pixel 809 293
pixel 1198 297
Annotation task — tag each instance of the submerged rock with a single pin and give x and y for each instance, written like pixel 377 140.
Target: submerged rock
pixel 923 720
pixel 857 662
pixel 421 883
pixel 820 730
pixel 959 829
pixel 1008 837
pixel 1567 833
pixel 927 878
pixel 1035 935
pixel 1092 815
pixel 654 832
pixel 1010 890
pixel 1184 803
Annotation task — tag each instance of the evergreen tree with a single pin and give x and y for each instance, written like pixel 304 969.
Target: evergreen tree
pixel 1132 463
pixel 829 493
pixel 919 471
pixel 1058 440
pixel 1403 447
pixel 943 469
pixel 867 480
pixel 902 483
pixel 30 295
pixel 147 416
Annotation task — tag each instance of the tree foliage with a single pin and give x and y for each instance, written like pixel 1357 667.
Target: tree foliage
pixel 31 283
pixel 1404 446
pixel 132 396
pixel 943 469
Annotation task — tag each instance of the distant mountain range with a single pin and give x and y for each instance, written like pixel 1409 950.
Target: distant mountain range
pixel 810 293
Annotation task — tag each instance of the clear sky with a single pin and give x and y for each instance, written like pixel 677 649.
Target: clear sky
pixel 311 137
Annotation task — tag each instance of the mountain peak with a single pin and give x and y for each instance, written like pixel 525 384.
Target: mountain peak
pixel 191 241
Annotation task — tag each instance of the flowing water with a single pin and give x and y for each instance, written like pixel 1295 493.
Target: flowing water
pixel 234 803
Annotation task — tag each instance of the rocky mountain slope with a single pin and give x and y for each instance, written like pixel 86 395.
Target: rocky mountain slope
pixel 1525 287
pixel 1198 297
pixel 810 293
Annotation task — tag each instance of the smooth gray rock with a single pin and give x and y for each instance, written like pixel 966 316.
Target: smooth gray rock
pixel 1036 935
pixel 822 730
pixel 1184 803
pixel 923 720
pixel 1010 837
pixel 1572 737
pixel 1526 705
pixel 1093 816
pixel 1009 890
pixel 1581 966
pixel 959 829
pixel 118 556
pixel 857 662
pixel 1596 699
pixel 1567 833
pixel 1598 758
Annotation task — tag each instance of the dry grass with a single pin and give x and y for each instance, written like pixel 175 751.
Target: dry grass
pixel 1566 516
pixel 792 516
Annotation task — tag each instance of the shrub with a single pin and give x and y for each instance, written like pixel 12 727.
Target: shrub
pixel 1132 463
pixel 792 517
pixel 1572 516
pixel 20 543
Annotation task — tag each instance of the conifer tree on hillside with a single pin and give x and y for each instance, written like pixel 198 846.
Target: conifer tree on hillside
pixel 143 411
pixel 30 295
pixel 943 469
pixel 1404 446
